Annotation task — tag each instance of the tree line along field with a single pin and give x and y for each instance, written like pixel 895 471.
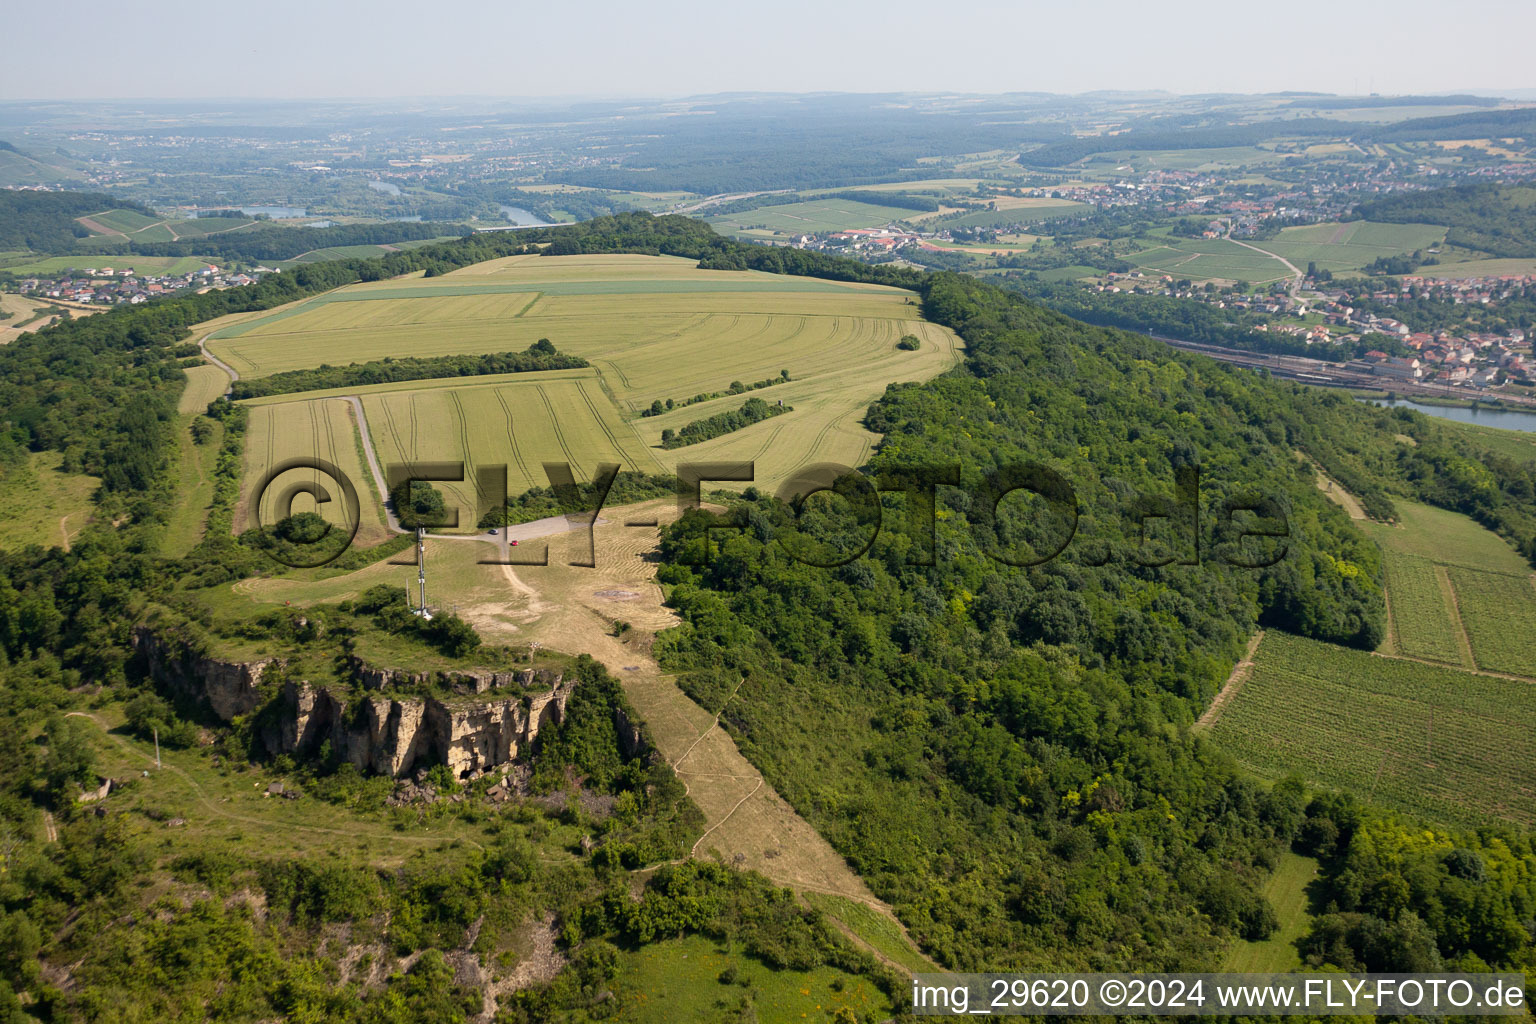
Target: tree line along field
pixel 653 329
pixel 1445 745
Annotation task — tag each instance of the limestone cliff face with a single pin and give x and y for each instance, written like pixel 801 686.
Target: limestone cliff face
pixel 471 732
pixel 396 736
pixel 230 688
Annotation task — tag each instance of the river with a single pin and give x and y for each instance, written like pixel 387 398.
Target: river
pixel 1504 419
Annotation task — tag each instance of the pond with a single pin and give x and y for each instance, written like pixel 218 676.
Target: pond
pixel 523 218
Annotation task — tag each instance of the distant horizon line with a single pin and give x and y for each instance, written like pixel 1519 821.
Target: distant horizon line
pixel 1525 93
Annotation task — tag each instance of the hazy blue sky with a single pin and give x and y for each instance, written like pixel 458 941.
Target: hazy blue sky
pixel 288 48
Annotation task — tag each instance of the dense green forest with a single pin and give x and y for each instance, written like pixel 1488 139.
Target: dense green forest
pixel 1496 219
pixel 279 243
pixel 1059 154
pixel 1001 750
pixel 1024 730
pixel 541 355
pixel 45 221
pixel 1496 123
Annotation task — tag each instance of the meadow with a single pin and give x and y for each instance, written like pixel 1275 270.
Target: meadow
pixel 41 505
pixel 1446 538
pixel 1286 891
pixel 1440 744
pixel 654 329
pixel 695 978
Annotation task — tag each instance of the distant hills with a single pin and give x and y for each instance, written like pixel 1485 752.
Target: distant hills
pixel 19 168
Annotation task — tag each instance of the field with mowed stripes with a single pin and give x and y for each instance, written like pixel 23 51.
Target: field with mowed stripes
pixel 653 328
pixel 321 428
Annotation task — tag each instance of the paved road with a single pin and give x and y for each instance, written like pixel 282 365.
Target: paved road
pixel 202 344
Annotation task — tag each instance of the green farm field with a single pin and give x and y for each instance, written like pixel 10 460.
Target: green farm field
pixel 513 424
pixel 117 261
pixel 1018 212
pixel 653 329
pixel 127 222
pixel 1423 610
pixel 807 218
pixel 204 384
pixel 1350 246
pixel 1446 538
pixel 1205 259
pixel 1331 246
pixel 1438 743
pixel 1499 611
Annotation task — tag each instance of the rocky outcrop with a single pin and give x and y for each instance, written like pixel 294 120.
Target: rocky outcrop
pixel 229 688
pixel 469 682
pixel 471 731
pixel 396 736
pixel 632 741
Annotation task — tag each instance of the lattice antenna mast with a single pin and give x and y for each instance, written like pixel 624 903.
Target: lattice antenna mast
pixel 421 572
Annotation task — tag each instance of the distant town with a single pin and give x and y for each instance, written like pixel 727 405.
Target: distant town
pixel 114 286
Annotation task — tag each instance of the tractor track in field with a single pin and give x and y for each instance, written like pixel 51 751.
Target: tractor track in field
pixel 554 422
pixel 517 451
pixel 603 426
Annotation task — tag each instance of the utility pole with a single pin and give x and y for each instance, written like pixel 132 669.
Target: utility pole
pixel 157 747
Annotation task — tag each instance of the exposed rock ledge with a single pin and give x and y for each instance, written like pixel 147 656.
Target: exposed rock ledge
pixel 388 735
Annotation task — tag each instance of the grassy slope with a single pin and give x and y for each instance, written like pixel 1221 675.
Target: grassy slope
pixel 38 504
pixel 679 980
pixel 1286 891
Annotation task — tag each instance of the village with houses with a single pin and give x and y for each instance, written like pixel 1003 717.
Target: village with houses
pixel 115 286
